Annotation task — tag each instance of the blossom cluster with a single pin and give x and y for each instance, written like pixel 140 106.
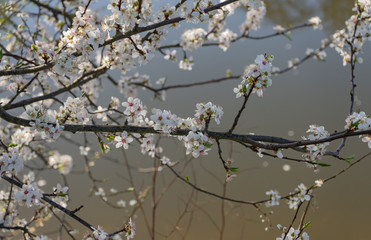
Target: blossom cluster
pixel 123 140
pixel 135 111
pixel 316 151
pixel 197 144
pixel 193 39
pixel 44 51
pixel 73 111
pixel 60 195
pixel 30 194
pixel 98 233
pixel 292 234
pixel 359 121
pixel 62 162
pixel 301 194
pixel 164 121
pixel 83 37
pixel 254 17
pixel 256 76
pixel 315 22
pixel 225 39
pixel 43 122
pixel 318 55
pixel 11 161
pixel 147 145
pixel 187 63
pixel 205 112
pixel 126 14
pixel 351 39
pixel 274 198
pixel 8 208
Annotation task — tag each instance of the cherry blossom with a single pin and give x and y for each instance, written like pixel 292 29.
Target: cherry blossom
pixel 30 194
pixel 316 151
pixel 274 198
pixel 134 109
pixel 315 22
pixel 61 162
pixel 11 161
pixel 197 144
pixel 123 140
pixel 257 76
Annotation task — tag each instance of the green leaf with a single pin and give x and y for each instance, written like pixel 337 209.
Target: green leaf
pixel 60 25
pixel 102 147
pixel 244 89
pixel 12 145
pixel 349 158
pixel 354 124
pixel 232 169
pixel 324 165
pixel 306 225
pixel 287 35
pixel 208 145
pixel 187 178
pixel 229 74
pixel 34 48
pixel 1 54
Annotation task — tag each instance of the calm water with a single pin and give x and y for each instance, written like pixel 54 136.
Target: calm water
pixel 315 93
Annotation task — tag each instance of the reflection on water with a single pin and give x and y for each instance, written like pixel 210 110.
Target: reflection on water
pixel 315 93
pixel 332 13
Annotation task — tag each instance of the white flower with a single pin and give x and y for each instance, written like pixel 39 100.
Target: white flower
pixel 84 150
pixel 358 121
pixel 121 203
pixel 225 39
pixel 123 140
pixel 319 183
pixel 61 162
pixel 130 230
pixel 30 194
pixel 186 63
pixel 134 109
pixel 165 160
pixel 170 55
pixel 205 112
pixel 315 22
pixel 164 121
pixel 61 192
pixel 11 161
pixel 316 151
pixel 133 202
pixel 197 143
pixel 274 198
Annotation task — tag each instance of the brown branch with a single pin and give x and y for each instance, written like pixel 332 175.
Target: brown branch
pixel 274 143
pixel 52 203
pixel 78 82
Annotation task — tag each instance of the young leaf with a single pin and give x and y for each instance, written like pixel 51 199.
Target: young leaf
pixel 349 158
pixel 324 165
pixel 234 169
pixel 306 225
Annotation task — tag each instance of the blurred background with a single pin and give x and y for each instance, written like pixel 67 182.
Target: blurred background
pixel 315 93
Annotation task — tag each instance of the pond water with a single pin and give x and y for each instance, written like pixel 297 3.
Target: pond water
pixel 314 93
